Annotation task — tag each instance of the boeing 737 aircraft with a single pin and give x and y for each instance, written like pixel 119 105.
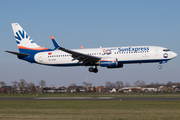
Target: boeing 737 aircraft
pixel 110 57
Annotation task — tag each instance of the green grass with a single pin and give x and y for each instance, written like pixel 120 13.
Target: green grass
pixel 86 110
pixel 94 95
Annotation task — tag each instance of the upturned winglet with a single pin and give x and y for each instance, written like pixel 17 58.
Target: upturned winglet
pixel 56 45
pixel 81 47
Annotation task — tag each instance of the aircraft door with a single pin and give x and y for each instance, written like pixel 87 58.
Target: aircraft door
pixel 156 51
pixel 40 58
pixel 145 55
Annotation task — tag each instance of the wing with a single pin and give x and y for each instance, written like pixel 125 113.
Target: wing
pixel 81 56
pixel 86 59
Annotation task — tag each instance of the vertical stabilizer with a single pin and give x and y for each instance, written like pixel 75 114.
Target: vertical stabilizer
pixel 24 41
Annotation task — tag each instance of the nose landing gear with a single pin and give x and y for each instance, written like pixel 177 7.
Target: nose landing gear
pixel 159 66
pixel 95 70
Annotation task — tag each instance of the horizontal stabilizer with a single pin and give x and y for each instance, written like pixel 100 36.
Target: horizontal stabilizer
pixel 16 53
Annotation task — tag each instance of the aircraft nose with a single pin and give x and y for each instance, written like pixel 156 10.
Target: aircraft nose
pixel 174 54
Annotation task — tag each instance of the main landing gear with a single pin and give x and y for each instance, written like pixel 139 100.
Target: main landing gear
pixel 159 66
pixel 95 70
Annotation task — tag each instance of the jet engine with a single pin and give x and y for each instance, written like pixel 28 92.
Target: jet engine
pixel 110 63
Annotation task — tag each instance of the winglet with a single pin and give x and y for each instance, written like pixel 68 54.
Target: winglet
pixel 56 45
pixel 51 37
pixel 81 47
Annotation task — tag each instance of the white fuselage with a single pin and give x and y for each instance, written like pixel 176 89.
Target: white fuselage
pixel 124 55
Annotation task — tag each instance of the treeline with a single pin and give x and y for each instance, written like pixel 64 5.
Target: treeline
pixel 140 83
pixel 24 87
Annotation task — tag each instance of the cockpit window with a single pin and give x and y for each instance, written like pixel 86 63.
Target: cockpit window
pixel 166 50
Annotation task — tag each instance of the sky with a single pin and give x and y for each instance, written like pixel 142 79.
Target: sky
pixel 90 23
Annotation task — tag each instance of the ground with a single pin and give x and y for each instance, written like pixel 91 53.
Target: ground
pixel 89 109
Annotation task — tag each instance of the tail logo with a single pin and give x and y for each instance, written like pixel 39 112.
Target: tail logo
pixel 21 35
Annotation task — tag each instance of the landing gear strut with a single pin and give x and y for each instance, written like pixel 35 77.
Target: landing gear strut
pixel 95 70
pixel 159 66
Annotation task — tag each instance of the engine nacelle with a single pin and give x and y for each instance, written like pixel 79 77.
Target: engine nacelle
pixel 118 66
pixel 108 62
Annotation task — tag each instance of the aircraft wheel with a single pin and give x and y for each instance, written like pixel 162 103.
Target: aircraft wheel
pixel 159 66
pixel 95 70
pixel 91 69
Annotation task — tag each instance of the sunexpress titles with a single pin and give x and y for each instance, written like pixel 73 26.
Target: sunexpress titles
pixel 134 49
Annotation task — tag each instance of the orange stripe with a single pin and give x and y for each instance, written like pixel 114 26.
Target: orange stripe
pixel 38 48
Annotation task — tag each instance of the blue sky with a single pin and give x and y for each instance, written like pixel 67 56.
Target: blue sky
pixel 90 23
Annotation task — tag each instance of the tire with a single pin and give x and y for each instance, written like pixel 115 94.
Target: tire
pixel 159 66
pixel 91 69
pixel 95 70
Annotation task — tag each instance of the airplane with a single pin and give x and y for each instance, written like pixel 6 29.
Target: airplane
pixel 109 57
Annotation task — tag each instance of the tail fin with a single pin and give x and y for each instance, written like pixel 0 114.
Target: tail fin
pixel 24 41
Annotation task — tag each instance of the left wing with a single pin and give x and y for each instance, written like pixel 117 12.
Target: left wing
pixel 81 56
pixel 77 55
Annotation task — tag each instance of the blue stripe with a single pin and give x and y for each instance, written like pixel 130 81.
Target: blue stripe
pixel 124 62
pixel 143 61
